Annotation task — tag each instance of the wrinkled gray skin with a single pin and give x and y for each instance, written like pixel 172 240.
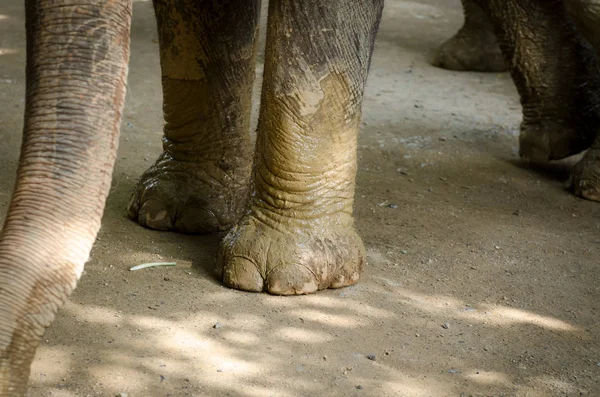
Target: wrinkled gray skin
pixel 550 48
pixel 290 207
pixel 296 231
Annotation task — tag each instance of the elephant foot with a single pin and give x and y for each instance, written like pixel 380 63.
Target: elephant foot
pixel 585 176
pixel 189 197
pixel 470 50
pixel 289 261
pixel 543 142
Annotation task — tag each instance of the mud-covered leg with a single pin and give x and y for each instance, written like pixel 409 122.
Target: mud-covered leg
pixel 474 46
pixel 299 235
pixel 200 182
pixel 556 73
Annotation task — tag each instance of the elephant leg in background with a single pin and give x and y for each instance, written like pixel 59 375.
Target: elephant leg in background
pixel 199 183
pixel 558 78
pixel 585 178
pixel 76 72
pixel 474 47
pixel 586 16
pixel 298 236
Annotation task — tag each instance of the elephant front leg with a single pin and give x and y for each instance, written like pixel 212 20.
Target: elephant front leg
pixel 200 182
pixel 298 236
pixel 474 47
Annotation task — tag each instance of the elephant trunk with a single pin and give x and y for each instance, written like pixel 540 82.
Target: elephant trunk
pixel 77 54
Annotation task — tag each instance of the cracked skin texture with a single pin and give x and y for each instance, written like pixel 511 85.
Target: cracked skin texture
pixel 299 237
pixel 546 45
pixel 199 184
pixel 295 232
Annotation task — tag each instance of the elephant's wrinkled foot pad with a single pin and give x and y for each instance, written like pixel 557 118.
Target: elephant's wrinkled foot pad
pixel 585 177
pixel 544 141
pixel 187 198
pixel 470 51
pixel 255 257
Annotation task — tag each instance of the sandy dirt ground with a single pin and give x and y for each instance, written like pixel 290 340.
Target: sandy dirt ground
pixel 482 278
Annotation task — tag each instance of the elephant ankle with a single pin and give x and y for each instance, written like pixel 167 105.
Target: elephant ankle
pixel 304 218
pixel 553 129
pixel 549 140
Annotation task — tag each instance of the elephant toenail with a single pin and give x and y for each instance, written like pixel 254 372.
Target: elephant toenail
pixel 588 189
pixel 241 273
pixel 197 220
pixel 158 217
pixel 154 215
pixel 291 280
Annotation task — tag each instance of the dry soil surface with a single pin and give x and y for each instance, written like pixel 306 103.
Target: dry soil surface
pixel 482 275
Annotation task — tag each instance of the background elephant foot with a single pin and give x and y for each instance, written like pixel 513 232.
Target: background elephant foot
pixel 586 16
pixel 470 50
pixel 283 261
pixel 585 177
pixel 474 47
pixel 189 197
pixel 552 140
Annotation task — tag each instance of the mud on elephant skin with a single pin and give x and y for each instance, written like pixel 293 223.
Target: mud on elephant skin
pixel 296 231
pixel 292 199
pixel 550 49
